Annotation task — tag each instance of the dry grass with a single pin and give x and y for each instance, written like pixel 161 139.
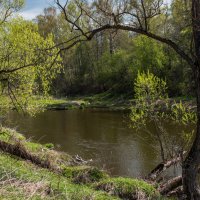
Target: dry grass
pixel 18 188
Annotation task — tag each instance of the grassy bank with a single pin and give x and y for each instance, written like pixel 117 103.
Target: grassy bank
pixel 103 101
pixel 21 179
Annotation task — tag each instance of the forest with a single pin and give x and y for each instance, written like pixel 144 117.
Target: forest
pixel 112 55
pixel 100 100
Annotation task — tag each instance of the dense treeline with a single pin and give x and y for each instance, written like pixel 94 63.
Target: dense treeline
pixel 111 60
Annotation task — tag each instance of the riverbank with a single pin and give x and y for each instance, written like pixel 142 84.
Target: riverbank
pixel 50 103
pixel 63 176
pixel 99 101
pixel 103 101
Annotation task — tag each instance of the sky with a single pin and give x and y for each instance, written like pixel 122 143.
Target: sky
pixel 35 7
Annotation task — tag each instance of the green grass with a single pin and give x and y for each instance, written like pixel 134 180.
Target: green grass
pixel 58 186
pixel 128 188
pixel 39 103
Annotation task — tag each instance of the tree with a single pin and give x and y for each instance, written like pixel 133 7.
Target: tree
pixel 150 96
pixel 47 22
pixel 137 16
pixel 28 62
pixel 149 55
pixel 8 7
pixel 152 107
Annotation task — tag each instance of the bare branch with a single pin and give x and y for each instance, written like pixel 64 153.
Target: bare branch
pixel 133 17
pixel 169 42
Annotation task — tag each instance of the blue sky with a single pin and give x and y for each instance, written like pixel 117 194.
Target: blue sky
pixel 35 7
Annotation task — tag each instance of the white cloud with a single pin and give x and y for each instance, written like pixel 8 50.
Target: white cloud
pixel 30 14
pixel 167 1
pixel 34 8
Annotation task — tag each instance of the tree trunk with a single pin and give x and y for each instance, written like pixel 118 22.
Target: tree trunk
pixel 192 161
pixel 111 43
pixel 190 168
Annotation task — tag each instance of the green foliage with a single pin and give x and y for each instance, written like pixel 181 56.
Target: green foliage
pixel 150 96
pixel 114 68
pixel 98 65
pixel 149 53
pixel 9 6
pixel 183 114
pixel 152 107
pixel 149 88
pixel 29 63
pixel 49 145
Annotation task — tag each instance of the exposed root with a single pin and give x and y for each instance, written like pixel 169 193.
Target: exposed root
pixel 19 150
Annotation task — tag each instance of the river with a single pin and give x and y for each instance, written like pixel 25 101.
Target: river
pixel 97 134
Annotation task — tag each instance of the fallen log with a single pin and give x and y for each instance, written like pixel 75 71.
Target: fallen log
pixel 19 151
pixel 162 167
pixel 176 192
pixel 171 185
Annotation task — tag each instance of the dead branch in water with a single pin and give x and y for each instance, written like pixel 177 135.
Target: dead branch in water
pixel 160 168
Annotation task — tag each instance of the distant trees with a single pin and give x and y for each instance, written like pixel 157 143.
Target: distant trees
pixel 111 55
pixel 89 67
pixel 47 23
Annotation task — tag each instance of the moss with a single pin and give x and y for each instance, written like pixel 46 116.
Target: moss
pixel 49 146
pixel 84 174
pixel 72 171
pixel 33 147
pixel 96 174
pixel 88 176
pixel 127 188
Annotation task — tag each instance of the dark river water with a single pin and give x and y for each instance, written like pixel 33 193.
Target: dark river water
pixel 103 136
